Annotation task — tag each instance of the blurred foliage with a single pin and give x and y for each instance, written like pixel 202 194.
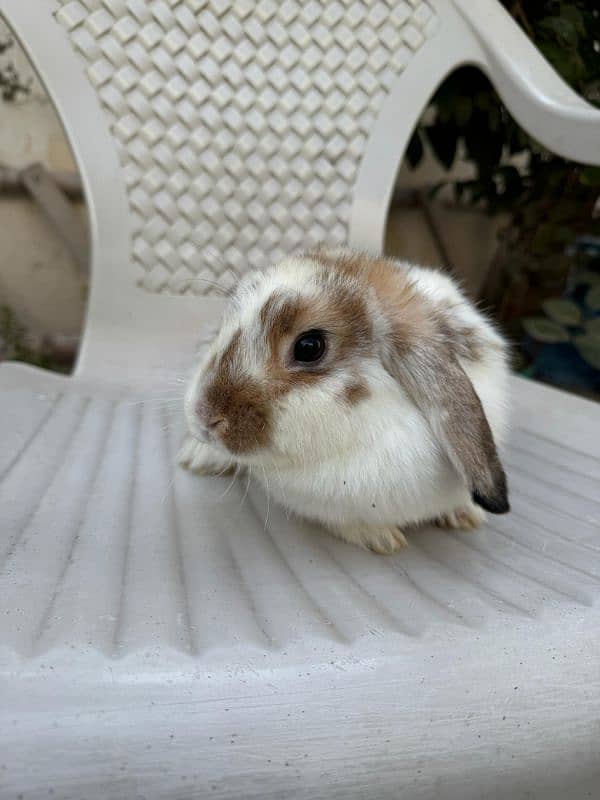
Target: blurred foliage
pixel 562 344
pixel 16 344
pixel 11 85
pixel 549 200
pixel 567 321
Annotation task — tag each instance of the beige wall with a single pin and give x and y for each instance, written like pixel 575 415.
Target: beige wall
pixel 40 281
pixel 470 237
pixel 38 277
pixel 470 240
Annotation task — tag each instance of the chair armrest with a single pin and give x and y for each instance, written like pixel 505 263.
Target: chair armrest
pixel 536 96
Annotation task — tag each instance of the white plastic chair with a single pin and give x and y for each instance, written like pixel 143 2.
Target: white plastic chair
pixel 160 640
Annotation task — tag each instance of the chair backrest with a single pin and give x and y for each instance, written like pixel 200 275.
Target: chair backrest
pixel 216 135
pixel 240 125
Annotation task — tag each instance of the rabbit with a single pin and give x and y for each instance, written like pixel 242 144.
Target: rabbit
pixel 370 393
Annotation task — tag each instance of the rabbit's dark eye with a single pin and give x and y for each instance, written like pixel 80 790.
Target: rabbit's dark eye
pixel 309 347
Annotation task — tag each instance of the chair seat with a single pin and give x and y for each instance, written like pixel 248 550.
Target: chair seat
pixel 138 602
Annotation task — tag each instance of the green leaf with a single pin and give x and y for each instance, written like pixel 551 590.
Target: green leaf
pixel 512 183
pixel 484 143
pixel 463 108
pixel 588 347
pixel 562 28
pixel 543 239
pixel 566 61
pixel 564 234
pixel 443 140
pixel 545 330
pixel 414 151
pixel 593 326
pixel 588 277
pixel 566 312
pixel 570 12
pixel 591 92
pixel 590 176
pixel 592 298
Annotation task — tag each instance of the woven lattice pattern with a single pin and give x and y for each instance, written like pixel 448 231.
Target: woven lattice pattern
pixel 240 124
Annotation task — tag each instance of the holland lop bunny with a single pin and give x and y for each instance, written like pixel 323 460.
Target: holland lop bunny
pixel 370 394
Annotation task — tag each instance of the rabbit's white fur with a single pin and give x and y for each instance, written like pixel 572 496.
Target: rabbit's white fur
pixel 364 470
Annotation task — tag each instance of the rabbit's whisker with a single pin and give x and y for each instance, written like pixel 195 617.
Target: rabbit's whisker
pixel 227 490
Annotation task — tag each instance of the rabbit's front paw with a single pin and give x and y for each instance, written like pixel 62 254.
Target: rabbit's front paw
pixel 466 518
pixel 383 540
pixel 203 459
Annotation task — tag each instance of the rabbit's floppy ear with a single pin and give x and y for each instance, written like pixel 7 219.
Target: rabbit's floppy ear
pixel 419 348
pixel 438 385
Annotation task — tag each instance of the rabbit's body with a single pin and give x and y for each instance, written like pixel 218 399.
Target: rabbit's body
pixel 365 445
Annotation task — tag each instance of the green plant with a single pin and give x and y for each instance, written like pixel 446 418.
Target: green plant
pixel 549 200
pixel 13 339
pixel 566 321
pixel 11 85
pixel 17 345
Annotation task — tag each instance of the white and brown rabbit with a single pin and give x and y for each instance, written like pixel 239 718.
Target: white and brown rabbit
pixel 369 391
